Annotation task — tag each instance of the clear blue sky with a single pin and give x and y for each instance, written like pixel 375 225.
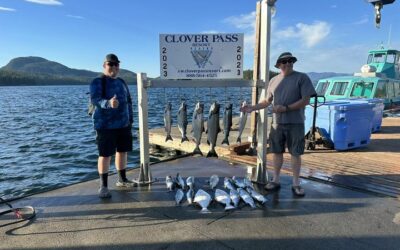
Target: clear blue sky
pixel 325 35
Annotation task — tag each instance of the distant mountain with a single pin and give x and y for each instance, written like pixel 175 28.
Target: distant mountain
pixel 39 71
pixel 315 77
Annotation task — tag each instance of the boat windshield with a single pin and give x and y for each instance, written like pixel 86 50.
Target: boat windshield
pixel 376 58
pixel 339 88
pixel 362 89
pixel 322 87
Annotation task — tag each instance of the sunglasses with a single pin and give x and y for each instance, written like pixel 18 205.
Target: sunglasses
pixel 287 61
pixel 112 64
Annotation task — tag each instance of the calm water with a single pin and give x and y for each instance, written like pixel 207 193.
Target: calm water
pixel 47 138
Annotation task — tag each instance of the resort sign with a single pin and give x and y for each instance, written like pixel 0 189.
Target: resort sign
pixel 201 56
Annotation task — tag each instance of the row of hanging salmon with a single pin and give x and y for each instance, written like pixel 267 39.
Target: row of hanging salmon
pixel 213 126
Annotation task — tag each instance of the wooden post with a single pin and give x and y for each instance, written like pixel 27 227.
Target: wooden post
pixel 261 174
pixel 256 77
pixel 145 173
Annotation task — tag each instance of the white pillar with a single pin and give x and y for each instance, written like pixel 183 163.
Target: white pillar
pixel 261 174
pixel 145 173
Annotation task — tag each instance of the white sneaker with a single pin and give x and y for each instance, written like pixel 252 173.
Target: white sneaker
pixel 125 184
pixel 104 193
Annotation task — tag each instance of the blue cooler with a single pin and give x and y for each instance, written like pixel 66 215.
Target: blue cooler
pixel 347 123
pixel 377 107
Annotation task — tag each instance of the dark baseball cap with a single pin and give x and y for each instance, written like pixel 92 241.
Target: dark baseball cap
pixel 111 58
pixel 283 56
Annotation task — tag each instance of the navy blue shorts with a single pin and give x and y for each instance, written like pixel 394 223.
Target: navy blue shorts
pixel 110 141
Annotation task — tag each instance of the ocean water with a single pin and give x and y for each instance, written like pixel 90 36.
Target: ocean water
pixel 47 139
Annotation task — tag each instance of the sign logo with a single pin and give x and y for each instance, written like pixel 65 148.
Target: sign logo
pixel 201 56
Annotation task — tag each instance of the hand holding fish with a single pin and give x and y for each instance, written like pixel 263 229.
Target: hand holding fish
pixel 247 108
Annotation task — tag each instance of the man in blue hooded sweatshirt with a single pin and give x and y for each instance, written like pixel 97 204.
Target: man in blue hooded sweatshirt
pixel 112 118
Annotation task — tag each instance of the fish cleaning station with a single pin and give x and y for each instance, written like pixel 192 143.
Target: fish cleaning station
pixel 218 202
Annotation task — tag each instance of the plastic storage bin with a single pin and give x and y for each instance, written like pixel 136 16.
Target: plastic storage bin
pixel 377 107
pixel 347 123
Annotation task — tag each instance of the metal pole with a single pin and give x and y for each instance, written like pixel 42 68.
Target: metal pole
pixel 145 173
pixel 261 174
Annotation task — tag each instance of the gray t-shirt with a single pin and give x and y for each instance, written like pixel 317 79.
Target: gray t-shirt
pixel 285 90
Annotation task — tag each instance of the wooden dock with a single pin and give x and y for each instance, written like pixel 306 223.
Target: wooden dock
pixel 375 168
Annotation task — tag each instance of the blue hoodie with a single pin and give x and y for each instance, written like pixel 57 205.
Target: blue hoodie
pixel 105 117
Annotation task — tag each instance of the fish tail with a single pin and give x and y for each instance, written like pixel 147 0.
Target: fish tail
pixel 204 210
pixel 212 153
pixel 229 207
pixel 184 139
pixel 239 140
pixel 197 151
pixel 168 138
pixel 225 141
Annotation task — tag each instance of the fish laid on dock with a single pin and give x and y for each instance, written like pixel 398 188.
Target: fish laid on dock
pixel 203 199
pixel 234 195
pixel 190 182
pixel 222 197
pixel 214 179
pixel 198 126
pixel 213 128
pixel 168 121
pixel 169 182
pixel 180 181
pixel 246 197
pixel 227 122
pixel 228 183
pixel 182 121
pixel 179 196
pixel 257 196
pixel 190 196
pixel 242 122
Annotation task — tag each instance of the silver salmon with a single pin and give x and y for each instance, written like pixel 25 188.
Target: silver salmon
pixel 168 121
pixel 227 121
pixel 182 121
pixel 213 128
pixel 242 122
pixel 198 126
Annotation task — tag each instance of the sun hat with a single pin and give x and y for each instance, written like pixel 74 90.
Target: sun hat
pixel 284 55
pixel 111 58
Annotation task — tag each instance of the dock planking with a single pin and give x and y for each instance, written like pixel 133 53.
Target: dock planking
pixel 375 168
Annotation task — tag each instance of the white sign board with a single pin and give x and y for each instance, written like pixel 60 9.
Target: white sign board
pixel 201 56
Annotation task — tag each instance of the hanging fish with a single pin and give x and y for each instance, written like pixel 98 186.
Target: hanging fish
pixel 203 199
pixel 182 121
pixel 242 122
pixel 168 121
pixel 227 121
pixel 222 197
pixel 198 126
pixel 213 128
pixel 214 179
